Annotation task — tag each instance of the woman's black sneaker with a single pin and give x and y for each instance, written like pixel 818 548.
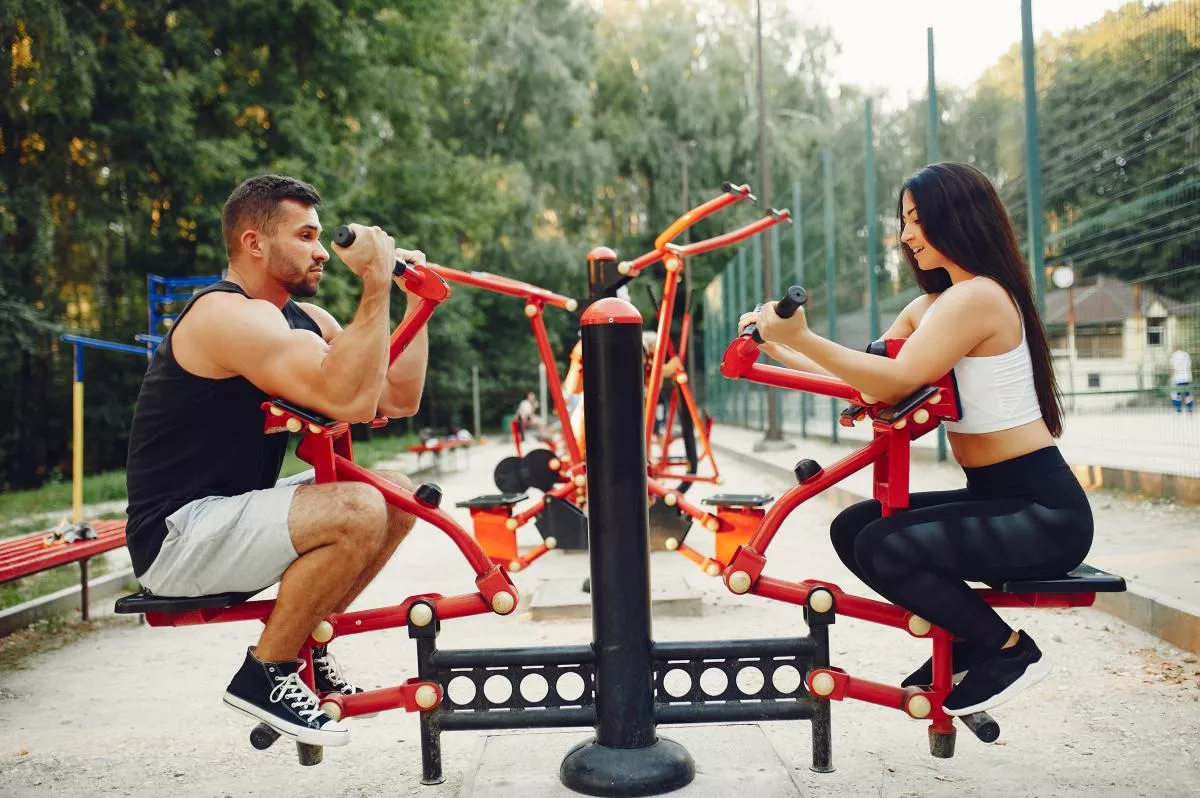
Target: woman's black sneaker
pixel 963 655
pixel 997 678
pixel 273 693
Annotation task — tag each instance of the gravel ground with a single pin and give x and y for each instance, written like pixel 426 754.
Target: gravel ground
pixel 129 710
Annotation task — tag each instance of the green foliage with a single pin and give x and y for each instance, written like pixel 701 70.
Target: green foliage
pixel 508 137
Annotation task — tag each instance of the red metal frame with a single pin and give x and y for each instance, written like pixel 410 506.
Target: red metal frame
pixel 535 301
pixel 672 255
pixel 888 454
pixel 328 448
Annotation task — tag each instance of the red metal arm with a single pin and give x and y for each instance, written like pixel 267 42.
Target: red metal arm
pixel 429 290
pixel 505 285
pixel 732 194
pixel 661 244
pixel 741 234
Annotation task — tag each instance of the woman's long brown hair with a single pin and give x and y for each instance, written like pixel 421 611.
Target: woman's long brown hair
pixel 963 218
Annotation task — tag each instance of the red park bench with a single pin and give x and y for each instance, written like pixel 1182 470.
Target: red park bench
pixel 25 555
pixel 436 446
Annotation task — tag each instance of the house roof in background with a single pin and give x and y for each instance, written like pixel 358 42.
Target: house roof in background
pixel 1102 299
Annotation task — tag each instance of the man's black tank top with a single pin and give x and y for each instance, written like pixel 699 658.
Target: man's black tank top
pixel 194 437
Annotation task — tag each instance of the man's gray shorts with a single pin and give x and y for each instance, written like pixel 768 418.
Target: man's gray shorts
pixel 227 544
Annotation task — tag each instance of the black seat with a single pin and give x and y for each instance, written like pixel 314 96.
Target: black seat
pixel 1084 579
pixel 738 500
pixel 145 601
pixel 494 500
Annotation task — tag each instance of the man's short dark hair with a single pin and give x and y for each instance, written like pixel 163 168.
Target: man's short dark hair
pixel 255 203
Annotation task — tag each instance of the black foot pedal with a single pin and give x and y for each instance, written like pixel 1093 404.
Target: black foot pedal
pixel 564 522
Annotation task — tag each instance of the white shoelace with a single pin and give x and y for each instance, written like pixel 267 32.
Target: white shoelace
pixel 328 667
pixel 292 690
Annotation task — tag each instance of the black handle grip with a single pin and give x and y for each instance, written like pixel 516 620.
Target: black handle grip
pixel 344 237
pixel 791 302
pixel 784 309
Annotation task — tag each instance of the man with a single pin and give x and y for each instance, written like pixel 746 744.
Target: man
pixel 206 513
pixel 1181 380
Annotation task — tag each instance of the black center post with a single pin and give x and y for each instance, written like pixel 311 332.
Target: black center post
pixel 626 757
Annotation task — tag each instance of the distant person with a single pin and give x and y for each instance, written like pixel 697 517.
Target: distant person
pixel 531 423
pixel 671 367
pixel 1181 380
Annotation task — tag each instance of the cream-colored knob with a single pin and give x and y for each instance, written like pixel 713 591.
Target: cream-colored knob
pixel 921 416
pixel 820 600
pixel 276 411
pixel 552 542
pixel 426 696
pixel 314 428
pixel 323 633
pixel 294 425
pixel 553 464
pixel 712 524
pixel 670 500
pixel 901 424
pixel 919 706
pixel 332 709
pixel 421 614
pixel 936 399
pixel 681 378
pixel 623 268
pixel 823 684
pixel 572 305
pixel 739 582
pixel 514 566
pixel 719 481
pixel 671 544
pixel 503 602
pixel 510 524
pixel 712 569
pixel 580 480
pixel 868 399
pixel 531 310
pixel 918 626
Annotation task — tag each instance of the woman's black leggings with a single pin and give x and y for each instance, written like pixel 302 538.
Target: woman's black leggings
pixel 1025 518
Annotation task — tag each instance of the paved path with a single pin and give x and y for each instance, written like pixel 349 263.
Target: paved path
pixel 132 711
pixel 1154 439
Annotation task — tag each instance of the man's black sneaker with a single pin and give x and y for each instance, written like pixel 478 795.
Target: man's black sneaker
pixel 328 677
pixel 273 693
pixel 963 656
pixel 998 677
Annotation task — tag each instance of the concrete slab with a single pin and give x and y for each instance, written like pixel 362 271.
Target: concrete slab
pixel 731 759
pixel 564 599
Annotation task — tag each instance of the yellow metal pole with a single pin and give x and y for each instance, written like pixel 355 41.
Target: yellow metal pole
pixel 77 440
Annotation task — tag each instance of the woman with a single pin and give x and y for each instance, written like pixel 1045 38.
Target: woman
pixel 1023 514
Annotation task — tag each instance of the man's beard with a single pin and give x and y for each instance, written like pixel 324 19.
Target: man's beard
pixel 296 279
pixel 303 289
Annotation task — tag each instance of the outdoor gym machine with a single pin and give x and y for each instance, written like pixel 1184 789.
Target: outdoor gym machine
pixel 894 428
pixel 326 445
pixel 625 684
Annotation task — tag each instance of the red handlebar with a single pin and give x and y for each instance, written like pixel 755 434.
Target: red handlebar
pixel 504 285
pixel 663 245
pixel 423 280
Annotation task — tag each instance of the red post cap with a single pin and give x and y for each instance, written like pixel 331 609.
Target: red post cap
pixel 611 310
pixel 601 253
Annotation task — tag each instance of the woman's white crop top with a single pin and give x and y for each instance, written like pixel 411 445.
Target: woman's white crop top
pixel 995 392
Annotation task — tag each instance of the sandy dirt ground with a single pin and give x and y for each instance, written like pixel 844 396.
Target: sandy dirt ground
pixel 130 710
